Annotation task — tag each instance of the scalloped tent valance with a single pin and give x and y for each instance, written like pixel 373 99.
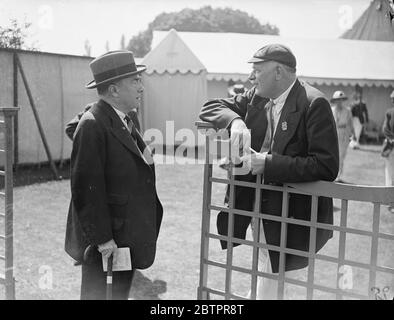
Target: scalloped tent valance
pixel 314 81
pixel 320 61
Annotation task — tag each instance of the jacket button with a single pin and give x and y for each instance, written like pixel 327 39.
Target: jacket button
pixel 148 181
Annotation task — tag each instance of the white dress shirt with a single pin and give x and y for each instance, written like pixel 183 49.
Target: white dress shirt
pixel 122 116
pixel 279 102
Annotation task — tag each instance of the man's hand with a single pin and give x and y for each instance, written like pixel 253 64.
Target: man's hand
pixel 108 248
pixel 255 161
pixel 240 138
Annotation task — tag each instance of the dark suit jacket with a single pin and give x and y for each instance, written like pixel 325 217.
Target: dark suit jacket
pixel 388 131
pixel 72 125
pixel 359 110
pixel 388 124
pixel 305 148
pixel 113 189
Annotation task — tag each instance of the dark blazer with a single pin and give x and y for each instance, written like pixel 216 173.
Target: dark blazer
pixel 359 110
pixel 388 124
pixel 305 148
pixel 72 125
pixel 388 131
pixel 113 189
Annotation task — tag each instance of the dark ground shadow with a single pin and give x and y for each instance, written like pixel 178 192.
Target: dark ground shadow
pixel 144 289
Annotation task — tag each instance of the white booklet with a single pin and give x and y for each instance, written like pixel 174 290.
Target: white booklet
pixel 121 261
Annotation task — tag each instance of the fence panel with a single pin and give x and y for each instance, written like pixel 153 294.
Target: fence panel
pixel 346 195
pixel 7 278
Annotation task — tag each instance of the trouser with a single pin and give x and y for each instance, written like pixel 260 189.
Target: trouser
pixel 358 127
pixel 94 283
pixel 388 170
pixel 343 142
pixel 267 289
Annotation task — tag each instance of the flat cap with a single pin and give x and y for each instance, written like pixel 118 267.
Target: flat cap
pixel 275 52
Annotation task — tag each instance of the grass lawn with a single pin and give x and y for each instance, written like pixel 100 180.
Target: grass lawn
pixel 40 220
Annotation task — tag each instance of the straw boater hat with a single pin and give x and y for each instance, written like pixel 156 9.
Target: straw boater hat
pixel 113 65
pixel 338 95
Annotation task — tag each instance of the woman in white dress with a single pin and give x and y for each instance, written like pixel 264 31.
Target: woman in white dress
pixel 345 130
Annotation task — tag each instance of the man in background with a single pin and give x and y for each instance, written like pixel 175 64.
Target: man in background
pixel 388 146
pixel 360 116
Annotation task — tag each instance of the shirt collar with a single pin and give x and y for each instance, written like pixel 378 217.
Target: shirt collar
pixel 282 98
pixel 121 115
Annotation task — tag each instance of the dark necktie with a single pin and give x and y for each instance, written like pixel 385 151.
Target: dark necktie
pixel 134 117
pixel 131 126
pixel 134 133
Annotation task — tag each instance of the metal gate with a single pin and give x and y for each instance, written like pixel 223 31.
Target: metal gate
pixel 7 151
pixel 344 194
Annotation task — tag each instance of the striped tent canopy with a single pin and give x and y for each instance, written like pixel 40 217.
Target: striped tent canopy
pixel 376 23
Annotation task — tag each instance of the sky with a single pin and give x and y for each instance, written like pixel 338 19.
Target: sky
pixel 63 26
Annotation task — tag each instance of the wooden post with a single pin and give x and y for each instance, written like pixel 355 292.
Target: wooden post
pixel 16 126
pixel 256 238
pixel 40 129
pixel 9 282
pixel 283 245
pixel 206 214
pixel 61 117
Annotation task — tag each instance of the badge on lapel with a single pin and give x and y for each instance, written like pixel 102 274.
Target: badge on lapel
pixel 284 126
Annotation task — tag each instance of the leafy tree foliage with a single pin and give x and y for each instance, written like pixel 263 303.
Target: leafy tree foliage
pixel 14 36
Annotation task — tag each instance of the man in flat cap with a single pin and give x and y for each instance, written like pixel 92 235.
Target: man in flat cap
pixel 291 129
pixel 114 203
pixel 388 146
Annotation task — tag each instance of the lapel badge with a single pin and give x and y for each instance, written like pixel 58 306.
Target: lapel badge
pixel 284 126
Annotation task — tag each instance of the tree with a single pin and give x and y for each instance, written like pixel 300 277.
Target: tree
pixel 123 42
pixel 205 19
pixel 14 36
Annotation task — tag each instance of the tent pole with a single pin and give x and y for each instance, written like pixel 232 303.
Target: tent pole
pixel 61 116
pixel 43 138
pixel 15 88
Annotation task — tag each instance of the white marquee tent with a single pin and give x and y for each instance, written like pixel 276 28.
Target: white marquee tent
pixel 175 88
pixel 328 64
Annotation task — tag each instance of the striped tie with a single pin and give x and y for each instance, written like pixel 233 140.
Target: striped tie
pixel 134 117
pixel 267 144
pixel 131 127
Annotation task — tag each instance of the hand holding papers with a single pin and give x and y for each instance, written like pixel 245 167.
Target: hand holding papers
pixel 255 161
pixel 121 260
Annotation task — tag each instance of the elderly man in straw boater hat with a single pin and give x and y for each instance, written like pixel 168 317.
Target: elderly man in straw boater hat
pixel 113 194
pixel 345 130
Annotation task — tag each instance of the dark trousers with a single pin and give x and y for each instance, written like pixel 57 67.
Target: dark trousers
pixel 94 281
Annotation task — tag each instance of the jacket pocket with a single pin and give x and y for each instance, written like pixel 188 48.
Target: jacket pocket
pixel 118 199
pixel 118 205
